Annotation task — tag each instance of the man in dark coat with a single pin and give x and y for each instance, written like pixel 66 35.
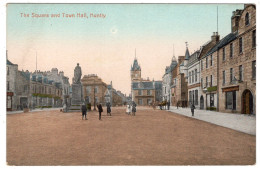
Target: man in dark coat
pixel 168 105
pixel 192 107
pixel 84 111
pixel 100 110
pixel 133 108
pixel 108 108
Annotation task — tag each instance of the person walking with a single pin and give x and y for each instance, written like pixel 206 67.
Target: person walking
pixel 168 105
pixel 128 109
pixel 133 109
pixel 84 111
pixel 100 110
pixel 192 107
pixel 108 108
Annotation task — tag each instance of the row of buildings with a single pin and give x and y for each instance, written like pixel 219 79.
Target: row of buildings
pixel 221 75
pixel 96 91
pixel 35 89
pixel 52 89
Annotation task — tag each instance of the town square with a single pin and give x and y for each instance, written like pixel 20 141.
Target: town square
pixel 137 84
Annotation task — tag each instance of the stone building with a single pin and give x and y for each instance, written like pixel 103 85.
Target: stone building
pixel 115 98
pixel 58 77
pixel 194 88
pixel 93 89
pixel 237 64
pixel 11 80
pixel 179 88
pixel 45 93
pixel 23 93
pixel 167 80
pixel 209 73
pixel 143 91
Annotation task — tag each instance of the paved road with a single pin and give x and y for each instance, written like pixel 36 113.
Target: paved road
pixel 240 122
pixel 152 137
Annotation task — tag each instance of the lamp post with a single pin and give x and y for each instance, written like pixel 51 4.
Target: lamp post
pixel 94 98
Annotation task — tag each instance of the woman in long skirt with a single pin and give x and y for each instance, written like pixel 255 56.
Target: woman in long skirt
pixel 128 109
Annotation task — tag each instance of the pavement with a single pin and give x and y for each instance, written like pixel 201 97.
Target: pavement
pixel 239 122
pixel 33 110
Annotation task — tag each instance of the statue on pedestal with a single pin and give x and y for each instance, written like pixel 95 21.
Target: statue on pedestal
pixel 77 74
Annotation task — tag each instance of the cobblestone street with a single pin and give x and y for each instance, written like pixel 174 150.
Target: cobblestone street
pixel 152 137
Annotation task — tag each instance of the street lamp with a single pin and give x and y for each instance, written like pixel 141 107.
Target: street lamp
pixel 94 97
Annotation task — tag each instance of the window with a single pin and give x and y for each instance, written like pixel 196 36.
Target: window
pixel 8 70
pixel 253 70
pixel 247 19
pixel 254 39
pixel 196 97
pixel 240 45
pixel 202 82
pixel 189 77
pixel 195 75
pixel 224 53
pixel 88 89
pixel 211 80
pixel 231 50
pixel 211 60
pixel 192 76
pixel 96 89
pixel 231 100
pixel 140 102
pixel 148 92
pixel 207 62
pixel 8 85
pixel 140 92
pixel 231 75
pixel 224 77
pixel 240 73
pixel 207 81
pixel 201 64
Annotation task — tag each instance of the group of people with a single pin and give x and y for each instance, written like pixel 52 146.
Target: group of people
pixel 131 108
pixel 100 110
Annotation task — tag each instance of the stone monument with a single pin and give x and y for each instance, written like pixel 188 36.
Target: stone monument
pixel 77 94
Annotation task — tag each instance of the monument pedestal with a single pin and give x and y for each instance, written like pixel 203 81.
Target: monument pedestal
pixel 77 98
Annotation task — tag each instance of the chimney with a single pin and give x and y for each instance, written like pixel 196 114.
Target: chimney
pixel 215 37
pixel 235 20
pixel 180 59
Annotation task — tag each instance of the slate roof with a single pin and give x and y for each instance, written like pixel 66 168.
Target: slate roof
pixel 135 66
pixel 193 58
pixel 142 85
pixel 224 41
pixel 25 75
pixel 187 54
pixel 170 68
pixel 158 85
pixel 8 62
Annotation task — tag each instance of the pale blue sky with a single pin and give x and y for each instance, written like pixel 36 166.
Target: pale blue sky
pixel 106 46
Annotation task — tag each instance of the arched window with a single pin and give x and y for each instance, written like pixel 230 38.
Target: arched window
pixel 247 19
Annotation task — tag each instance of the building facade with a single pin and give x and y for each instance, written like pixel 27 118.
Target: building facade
pixel 11 80
pixel 237 64
pixel 93 89
pixel 209 74
pixel 193 78
pixel 143 91
pixel 167 80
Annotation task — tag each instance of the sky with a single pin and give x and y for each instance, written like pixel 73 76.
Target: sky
pixel 106 45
